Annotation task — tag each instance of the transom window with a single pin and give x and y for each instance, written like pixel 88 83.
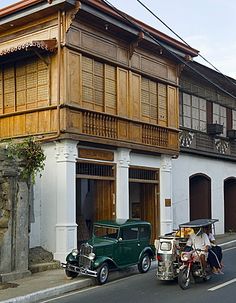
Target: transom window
pixel 193 112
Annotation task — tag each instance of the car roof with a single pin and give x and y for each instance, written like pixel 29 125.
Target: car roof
pixel 199 223
pixel 121 222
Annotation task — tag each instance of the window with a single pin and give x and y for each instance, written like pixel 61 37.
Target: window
pixel 130 233
pixel 193 112
pixel 24 85
pixel 107 232
pixel 149 99
pixel 93 81
pixel 165 246
pixel 234 119
pixel 219 116
pixel 144 232
pixel 99 91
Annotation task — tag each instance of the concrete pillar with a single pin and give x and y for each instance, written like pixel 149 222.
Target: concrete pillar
pixel 66 227
pixel 122 183
pixel 166 208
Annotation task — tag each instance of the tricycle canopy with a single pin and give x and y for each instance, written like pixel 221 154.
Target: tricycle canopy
pixel 198 223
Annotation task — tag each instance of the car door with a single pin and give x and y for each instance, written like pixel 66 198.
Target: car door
pixel 144 236
pixel 128 246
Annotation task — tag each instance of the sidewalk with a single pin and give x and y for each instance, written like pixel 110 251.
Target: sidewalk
pixel 47 284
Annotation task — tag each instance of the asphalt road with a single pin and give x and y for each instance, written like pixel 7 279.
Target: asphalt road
pixel 146 288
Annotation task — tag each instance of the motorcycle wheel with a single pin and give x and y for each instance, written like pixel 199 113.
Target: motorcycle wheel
pixel 144 264
pixel 184 279
pixel 103 273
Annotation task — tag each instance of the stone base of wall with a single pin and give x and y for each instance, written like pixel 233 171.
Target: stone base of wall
pixel 14 275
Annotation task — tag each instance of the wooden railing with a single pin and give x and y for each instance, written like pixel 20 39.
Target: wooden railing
pixel 100 125
pixel 154 135
pixel 110 127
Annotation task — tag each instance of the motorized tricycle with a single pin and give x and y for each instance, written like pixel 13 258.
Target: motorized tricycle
pixel 174 262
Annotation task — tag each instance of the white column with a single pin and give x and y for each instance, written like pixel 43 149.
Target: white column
pixel 122 183
pixel 66 227
pixel 166 208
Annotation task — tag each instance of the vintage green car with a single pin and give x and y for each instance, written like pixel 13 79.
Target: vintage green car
pixel 115 244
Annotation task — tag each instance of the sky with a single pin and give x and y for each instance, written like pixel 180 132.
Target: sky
pixel 206 25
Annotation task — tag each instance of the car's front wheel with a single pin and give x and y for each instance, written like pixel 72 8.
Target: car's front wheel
pixel 144 264
pixel 71 274
pixel 103 273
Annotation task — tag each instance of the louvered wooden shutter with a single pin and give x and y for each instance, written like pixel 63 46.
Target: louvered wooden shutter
pixel 110 90
pixel 162 104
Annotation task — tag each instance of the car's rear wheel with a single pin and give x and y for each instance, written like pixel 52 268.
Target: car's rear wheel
pixel 144 264
pixel 103 273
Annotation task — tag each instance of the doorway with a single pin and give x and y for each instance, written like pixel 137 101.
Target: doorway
pixel 95 197
pixel 144 197
pixel 230 204
pixel 200 197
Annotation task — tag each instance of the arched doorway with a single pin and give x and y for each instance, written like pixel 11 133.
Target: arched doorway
pixel 230 204
pixel 200 197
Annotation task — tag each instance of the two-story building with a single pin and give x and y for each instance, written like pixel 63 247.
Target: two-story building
pixel 100 90
pixel 204 175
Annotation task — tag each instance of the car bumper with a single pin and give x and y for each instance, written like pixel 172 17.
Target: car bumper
pixel 79 270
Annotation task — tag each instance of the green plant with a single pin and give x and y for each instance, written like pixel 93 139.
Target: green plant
pixel 31 155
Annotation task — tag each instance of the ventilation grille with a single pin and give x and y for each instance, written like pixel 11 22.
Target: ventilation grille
pixel 143 174
pixel 91 169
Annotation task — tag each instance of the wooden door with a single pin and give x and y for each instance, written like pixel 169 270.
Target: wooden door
pixel 200 197
pixel 104 200
pixel 150 207
pixel 230 204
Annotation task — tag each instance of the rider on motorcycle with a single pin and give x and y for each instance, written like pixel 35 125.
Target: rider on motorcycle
pixel 199 241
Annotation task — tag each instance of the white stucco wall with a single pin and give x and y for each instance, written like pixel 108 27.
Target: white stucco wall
pixel 45 202
pixel 217 170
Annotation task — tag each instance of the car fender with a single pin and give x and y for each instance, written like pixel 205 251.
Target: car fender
pixel 71 259
pixel 101 259
pixel 146 250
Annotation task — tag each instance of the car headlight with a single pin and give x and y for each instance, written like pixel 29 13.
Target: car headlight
pixel 75 252
pixel 91 256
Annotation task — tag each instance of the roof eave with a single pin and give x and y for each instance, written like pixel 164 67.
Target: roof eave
pixel 98 10
pixel 10 14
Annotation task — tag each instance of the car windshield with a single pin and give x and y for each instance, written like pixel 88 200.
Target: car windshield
pixel 105 232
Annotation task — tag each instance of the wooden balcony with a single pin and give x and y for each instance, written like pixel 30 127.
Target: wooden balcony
pixel 90 126
pixel 120 130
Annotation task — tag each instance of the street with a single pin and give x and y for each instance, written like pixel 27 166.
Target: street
pixel 146 288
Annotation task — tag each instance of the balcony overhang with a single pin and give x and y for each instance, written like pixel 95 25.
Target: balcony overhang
pixel 36 46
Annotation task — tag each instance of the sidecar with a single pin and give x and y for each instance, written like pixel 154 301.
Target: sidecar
pixel 168 250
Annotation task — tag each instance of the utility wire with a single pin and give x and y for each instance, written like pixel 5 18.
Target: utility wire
pixel 148 9
pixel 124 16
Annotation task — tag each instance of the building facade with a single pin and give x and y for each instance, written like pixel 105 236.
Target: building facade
pixel 101 93
pixel 204 175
